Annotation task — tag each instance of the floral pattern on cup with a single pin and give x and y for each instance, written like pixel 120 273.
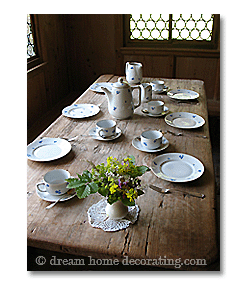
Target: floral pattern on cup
pixel 133 71
pixel 54 182
pixel 157 85
pixel 106 128
pixel 151 139
pixel 156 107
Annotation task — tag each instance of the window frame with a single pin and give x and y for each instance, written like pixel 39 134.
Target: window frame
pixel 172 43
pixel 36 60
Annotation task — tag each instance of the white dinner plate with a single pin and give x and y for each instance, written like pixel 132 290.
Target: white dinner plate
pixel 97 86
pixel 137 144
pixel 183 94
pixel 48 149
pixel 79 111
pixel 176 167
pixel 51 198
pixel 93 133
pixel 184 120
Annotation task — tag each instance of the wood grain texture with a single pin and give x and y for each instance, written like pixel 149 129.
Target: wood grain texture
pixel 172 226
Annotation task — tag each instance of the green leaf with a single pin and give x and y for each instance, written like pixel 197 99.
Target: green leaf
pixel 94 187
pixel 74 182
pixel 112 199
pixel 85 177
pixel 103 191
pixel 142 169
pixel 140 192
pixel 83 191
pixel 127 202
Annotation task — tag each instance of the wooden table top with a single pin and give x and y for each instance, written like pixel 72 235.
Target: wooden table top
pixel 170 226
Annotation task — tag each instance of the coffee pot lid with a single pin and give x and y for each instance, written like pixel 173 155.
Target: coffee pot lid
pixel 121 84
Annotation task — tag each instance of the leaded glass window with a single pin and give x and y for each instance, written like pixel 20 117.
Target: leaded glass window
pixel 30 39
pixel 171 26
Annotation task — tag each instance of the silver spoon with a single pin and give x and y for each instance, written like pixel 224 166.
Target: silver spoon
pixel 167 190
pixel 53 204
pixel 70 139
pixel 173 133
pixel 181 134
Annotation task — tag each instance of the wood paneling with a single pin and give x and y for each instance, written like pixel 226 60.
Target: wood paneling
pixel 90 47
pixel 37 100
pixel 47 84
pixel 153 66
pixel 199 68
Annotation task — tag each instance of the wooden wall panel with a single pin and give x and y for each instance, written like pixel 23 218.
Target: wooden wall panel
pixel 153 66
pixel 90 47
pixel 37 100
pixel 47 84
pixel 198 68
pixel 52 33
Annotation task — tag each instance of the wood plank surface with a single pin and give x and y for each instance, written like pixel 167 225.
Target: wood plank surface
pixel 170 226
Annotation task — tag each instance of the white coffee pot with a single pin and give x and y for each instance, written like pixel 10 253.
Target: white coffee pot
pixel 120 100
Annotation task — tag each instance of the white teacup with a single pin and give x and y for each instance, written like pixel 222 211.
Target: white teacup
pixel 133 71
pixel 151 139
pixel 106 128
pixel 156 107
pixel 54 182
pixel 157 85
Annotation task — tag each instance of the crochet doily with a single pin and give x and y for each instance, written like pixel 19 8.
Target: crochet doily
pixel 97 217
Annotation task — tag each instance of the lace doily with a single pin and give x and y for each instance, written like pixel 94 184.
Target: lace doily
pixel 97 217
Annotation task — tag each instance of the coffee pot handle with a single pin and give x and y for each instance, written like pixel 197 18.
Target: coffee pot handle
pixel 139 103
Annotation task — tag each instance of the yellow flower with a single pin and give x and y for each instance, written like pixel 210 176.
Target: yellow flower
pixel 132 194
pixel 113 188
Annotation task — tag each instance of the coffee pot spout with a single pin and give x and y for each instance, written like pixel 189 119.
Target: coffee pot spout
pixel 107 92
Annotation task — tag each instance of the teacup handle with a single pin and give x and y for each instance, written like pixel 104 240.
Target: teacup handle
pixel 100 133
pixel 38 184
pixel 139 103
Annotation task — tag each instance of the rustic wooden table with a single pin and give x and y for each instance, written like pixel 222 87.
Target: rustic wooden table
pixel 176 229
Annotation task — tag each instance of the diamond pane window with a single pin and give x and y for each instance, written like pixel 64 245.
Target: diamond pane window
pixel 149 26
pixel 192 27
pixel 30 38
pixel 171 26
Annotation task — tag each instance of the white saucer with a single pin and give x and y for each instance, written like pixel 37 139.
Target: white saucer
pixel 183 94
pixel 176 167
pixel 48 149
pixel 97 86
pixel 79 111
pixel 165 111
pixel 161 91
pixel 137 144
pixel 184 120
pixel 51 198
pixel 93 134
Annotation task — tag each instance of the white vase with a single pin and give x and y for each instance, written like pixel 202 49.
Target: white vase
pixel 117 210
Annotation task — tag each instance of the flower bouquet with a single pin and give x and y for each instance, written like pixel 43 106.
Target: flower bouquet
pixel 117 181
